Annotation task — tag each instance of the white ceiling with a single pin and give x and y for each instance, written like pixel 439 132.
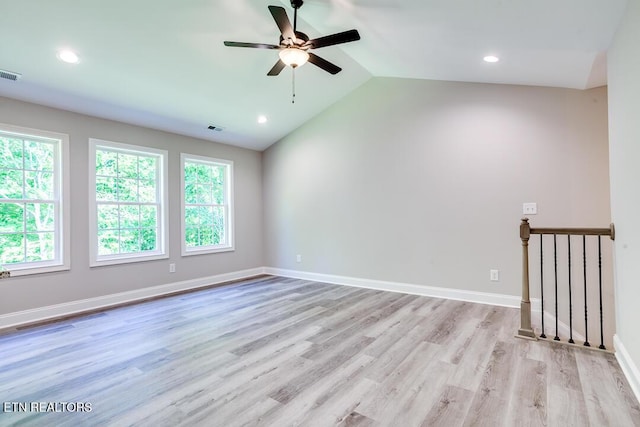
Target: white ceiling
pixel 162 63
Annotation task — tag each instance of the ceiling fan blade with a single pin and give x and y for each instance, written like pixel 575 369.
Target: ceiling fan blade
pixel 276 68
pixel 282 20
pixel 254 45
pixel 333 39
pixel 324 64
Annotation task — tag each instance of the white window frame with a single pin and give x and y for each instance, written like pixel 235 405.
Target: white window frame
pixel 229 196
pixel 162 251
pixel 62 235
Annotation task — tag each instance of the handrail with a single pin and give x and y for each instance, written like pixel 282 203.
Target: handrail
pixel 611 231
pixel 526 330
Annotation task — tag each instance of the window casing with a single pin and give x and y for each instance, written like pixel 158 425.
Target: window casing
pixel 207 204
pixel 34 200
pixel 128 208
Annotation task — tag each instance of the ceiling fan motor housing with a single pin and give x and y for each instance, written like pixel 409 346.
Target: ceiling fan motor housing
pixel 301 37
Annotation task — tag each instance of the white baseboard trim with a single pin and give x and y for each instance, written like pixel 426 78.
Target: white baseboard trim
pixel 405 288
pixel 629 368
pixel 36 315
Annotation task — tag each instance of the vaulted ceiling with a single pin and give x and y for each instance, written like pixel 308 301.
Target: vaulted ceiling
pixel 162 64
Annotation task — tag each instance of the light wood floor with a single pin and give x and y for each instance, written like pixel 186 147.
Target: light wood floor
pixel 280 352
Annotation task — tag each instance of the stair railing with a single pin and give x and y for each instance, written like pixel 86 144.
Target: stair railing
pixel 526 329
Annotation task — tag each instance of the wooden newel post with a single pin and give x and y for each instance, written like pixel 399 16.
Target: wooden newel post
pixel 525 331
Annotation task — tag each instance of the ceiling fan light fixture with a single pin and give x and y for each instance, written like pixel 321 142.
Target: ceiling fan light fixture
pixel 293 57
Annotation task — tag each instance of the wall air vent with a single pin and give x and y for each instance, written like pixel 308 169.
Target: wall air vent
pixel 215 128
pixel 9 75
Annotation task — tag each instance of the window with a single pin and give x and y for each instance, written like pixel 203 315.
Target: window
pixel 207 209
pixel 34 208
pixel 128 215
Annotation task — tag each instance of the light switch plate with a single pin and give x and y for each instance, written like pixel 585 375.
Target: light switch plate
pixel 529 208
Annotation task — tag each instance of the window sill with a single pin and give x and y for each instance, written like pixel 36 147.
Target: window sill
pixel 28 271
pixel 127 260
pixel 206 251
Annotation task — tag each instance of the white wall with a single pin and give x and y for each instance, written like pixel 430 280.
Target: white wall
pixel 423 182
pixel 624 135
pixel 81 282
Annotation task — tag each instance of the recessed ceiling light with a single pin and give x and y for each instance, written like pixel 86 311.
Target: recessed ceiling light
pixel 68 56
pixel 491 58
pixel 262 119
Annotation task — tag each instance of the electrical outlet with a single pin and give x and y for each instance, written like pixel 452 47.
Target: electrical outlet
pixel 298 258
pixel 530 208
pixel 172 268
pixel 494 275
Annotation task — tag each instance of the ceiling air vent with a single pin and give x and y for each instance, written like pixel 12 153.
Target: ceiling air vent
pixel 9 75
pixel 215 128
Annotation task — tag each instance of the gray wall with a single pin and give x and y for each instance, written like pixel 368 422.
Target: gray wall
pixel 423 182
pixel 82 282
pixel 624 134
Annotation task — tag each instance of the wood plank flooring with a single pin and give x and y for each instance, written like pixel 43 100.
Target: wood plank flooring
pixel 285 352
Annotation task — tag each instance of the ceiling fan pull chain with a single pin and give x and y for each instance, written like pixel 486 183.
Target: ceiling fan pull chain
pixel 293 85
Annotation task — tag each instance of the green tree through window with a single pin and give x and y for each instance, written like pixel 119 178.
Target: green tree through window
pixel 128 202
pixel 30 181
pixel 206 204
pixel 126 198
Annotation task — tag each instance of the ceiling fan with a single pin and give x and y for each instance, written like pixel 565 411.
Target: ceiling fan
pixel 294 47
